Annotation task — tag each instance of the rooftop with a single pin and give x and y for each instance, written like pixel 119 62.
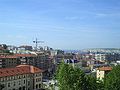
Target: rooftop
pixel 105 68
pixel 19 70
pixel 17 55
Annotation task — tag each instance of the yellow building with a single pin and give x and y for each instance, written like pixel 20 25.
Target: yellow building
pixel 102 71
pixel 22 77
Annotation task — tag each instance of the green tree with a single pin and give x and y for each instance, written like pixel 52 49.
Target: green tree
pixel 62 76
pixel 93 83
pixel 112 80
pixel 70 78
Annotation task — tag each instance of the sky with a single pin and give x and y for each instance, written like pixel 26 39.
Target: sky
pixel 61 24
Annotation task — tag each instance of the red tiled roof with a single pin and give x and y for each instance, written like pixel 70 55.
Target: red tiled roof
pixel 19 70
pixel 105 68
pixel 24 55
pixel 8 56
pixel 17 55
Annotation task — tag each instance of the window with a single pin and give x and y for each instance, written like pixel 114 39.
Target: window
pixel 28 82
pixel 19 77
pixel 14 77
pixel 24 81
pixel 19 82
pixel 20 88
pixel 10 78
pixel 39 85
pixel 14 83
pixel 36 86
pixel 3 79
pixel 24 88
pixel 8 84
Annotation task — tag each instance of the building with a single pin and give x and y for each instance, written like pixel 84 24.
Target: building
pixel 26 58
pixel 12 48
pixel 22 77
pixel 40 60
pixel 3 46
pixel 7 61
pixel 102 71
pixel 101 57
pixel 26 47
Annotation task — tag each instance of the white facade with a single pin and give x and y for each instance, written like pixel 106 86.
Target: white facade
pixel 100 74
pixel 100 57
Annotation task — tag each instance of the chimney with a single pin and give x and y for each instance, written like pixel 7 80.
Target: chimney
pixel 31 69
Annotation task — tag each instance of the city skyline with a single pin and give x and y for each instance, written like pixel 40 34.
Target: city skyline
pixel 62 24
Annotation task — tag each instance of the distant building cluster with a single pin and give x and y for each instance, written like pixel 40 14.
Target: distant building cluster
pixel 26 68
pixel 23 68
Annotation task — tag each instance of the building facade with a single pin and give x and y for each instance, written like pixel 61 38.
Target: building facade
pixel 102 71
pixel 7 61
pixel 22 77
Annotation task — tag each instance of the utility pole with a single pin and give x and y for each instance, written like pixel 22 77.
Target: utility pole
pixel 36 43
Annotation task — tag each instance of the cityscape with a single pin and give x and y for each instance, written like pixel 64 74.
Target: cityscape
pixel 59 45
pixel 28 68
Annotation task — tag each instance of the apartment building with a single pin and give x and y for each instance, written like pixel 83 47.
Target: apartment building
pixel 25 47
pixel 101 57
pixel 26 58
pixel 9 61
pixel 102 71
pixel 41 61
pixel 22 77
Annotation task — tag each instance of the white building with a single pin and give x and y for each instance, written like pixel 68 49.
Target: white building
pixel 100 57
pixel 102 71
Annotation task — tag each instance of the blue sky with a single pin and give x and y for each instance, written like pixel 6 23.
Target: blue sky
pixel 63 24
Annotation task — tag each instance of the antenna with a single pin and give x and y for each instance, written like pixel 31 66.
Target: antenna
pixel 36 43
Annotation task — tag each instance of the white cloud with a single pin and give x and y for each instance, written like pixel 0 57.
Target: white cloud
pixel 107 14
pixel 101 15
pixel 73 18
pixel 16 37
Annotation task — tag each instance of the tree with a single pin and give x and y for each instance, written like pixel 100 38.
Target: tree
pixel 93 83
pixel 62 76
pixel 70 78
pixel 112 79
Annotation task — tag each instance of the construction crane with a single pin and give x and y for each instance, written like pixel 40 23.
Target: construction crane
pixel 36 43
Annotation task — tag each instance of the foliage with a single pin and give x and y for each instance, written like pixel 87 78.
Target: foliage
pixel 70 78
pixel 112 80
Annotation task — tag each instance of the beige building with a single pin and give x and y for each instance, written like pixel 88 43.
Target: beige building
pixel 22 77
pixel 102 71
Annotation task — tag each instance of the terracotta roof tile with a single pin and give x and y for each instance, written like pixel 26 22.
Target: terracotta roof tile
pixel 105 68
pixel 19 70
pixel 8 56
pixel 17 55
pixel 24 55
